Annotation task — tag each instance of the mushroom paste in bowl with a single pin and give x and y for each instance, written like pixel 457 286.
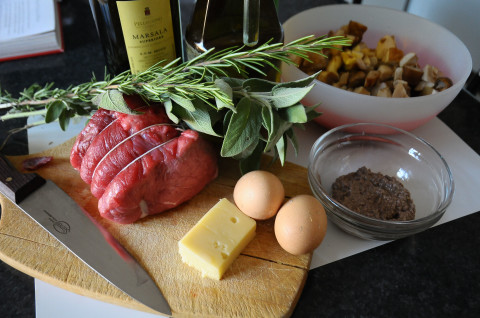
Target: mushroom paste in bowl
pixel 374 195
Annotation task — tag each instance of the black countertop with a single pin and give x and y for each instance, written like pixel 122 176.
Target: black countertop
pixel 432 274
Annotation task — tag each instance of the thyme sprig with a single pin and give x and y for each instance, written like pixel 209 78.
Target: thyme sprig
pixel 210 93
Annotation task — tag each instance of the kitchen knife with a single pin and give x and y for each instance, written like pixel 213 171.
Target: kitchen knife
pixel 76 229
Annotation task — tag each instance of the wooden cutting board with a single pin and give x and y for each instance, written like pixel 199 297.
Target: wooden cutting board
pixel 264 281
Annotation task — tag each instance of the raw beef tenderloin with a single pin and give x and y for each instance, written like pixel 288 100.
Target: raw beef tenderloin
pixel 160 179
pixel 97 123
pixel 128 150
pixel 123 127
pixel 140 165
pixel 101 119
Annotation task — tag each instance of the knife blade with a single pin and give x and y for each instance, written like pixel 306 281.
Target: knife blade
pixel 78 231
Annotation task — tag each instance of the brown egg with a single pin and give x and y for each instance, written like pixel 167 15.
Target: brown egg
pixel 259 194
pixel 301 224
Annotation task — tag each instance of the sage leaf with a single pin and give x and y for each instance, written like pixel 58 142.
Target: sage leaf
pixel 275 126
pixel 252 162
pixel 54 110
pixel 113 100
pixel 64 119
pixel 243 129
pixel 233 82
pixel 312 113
pixel 287 96
pixel 182 101
pixel 80 109
pixel 267 119
pixel 169 110
pixel 304 82
pixel 296 114
pixel 246 152
pixel 226 120
pixel 282 149
pixel 258 85
pixel 199 119
pixel 227 89
pixel 293 140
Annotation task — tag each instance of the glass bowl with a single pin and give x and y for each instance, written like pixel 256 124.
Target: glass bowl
pixel 393 152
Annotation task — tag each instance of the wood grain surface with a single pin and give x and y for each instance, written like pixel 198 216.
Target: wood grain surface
pixel 264 281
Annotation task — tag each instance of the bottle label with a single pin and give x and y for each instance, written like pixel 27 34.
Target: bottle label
pixel 148 32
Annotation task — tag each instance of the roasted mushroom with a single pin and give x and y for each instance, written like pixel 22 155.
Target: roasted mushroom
pixel 399 90
pixel 381 71
pixel 371 79
pixel 442 83
pixel 412 74
pixel 385 43
pixel 356 78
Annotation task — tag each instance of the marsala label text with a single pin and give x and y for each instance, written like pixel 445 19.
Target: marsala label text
pixel 150 36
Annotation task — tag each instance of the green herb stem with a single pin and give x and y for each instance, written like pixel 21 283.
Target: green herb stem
pixel 24 114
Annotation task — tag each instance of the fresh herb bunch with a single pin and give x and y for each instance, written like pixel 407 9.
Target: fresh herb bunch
pixel 210 93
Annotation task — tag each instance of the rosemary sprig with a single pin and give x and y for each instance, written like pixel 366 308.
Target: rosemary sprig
pixel 210 93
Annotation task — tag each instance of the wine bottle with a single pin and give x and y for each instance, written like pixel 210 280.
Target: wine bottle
pixel 137 34
pixel 223 24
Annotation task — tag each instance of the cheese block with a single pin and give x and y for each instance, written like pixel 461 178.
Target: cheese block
pixel 217 239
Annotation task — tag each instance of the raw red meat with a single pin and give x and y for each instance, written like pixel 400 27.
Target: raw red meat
pixel 123 127
pixel 34 163
pixel 101 119
pixel 127 151
pixel 140 165
pixel 161 179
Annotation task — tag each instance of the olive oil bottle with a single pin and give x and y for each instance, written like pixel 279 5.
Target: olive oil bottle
pixel 222 24
pixel 137 34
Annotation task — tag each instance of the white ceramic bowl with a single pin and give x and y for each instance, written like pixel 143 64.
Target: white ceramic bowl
pixel 432 43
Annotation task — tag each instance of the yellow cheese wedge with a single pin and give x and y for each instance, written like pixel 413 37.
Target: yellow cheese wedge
pixel 217 239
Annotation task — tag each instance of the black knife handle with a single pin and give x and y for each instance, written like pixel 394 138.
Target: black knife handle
pixel 15 185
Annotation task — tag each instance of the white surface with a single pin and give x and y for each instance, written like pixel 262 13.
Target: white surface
pixel 53 302
pixel 50 135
